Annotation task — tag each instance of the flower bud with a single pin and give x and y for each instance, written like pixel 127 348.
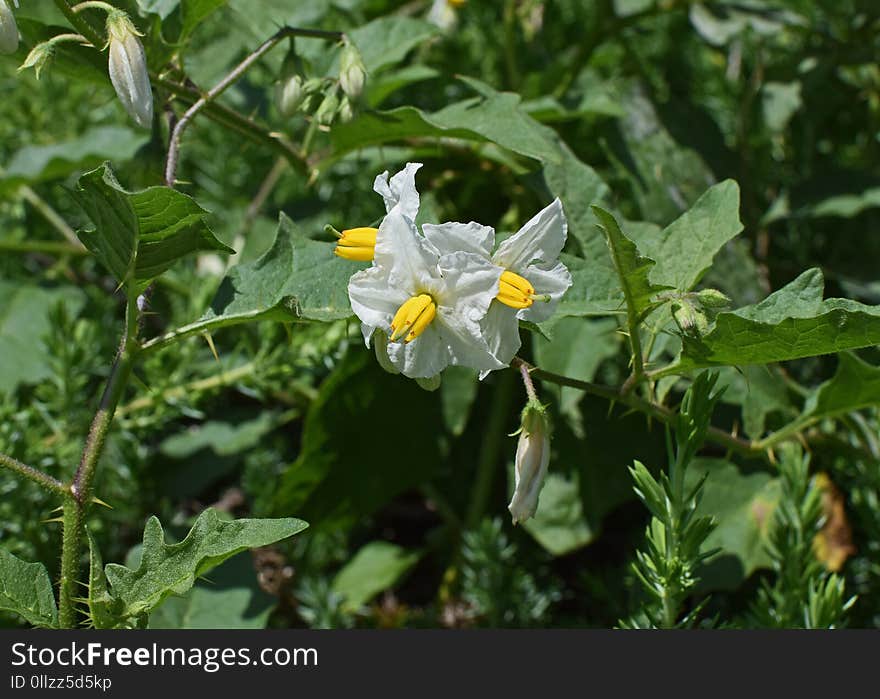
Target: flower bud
pixel 712 298
pixel 128 69
pixel 289 95
pixel 352 72
pixel 346 111
pixel 532 458
pixel 326 112
pixel 689 320
pixel 8 29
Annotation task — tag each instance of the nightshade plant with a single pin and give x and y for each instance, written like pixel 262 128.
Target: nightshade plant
pixel 625 213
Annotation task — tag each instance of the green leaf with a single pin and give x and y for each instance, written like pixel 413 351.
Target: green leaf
pixel 138 235
pixel 104 611
pixel 230 598
pixel 297 279
pixel 222 438
pixel 791 323
pixel 26 590
pixel 633 269
pixel 367 437
pixel 559 525
pixel 685 249
pixel 172 569
pixel 855 385
pixel 374 568
pixel 386 41
pixel 742 505
pixel 33 164
pixel 193 12
pixel 24 322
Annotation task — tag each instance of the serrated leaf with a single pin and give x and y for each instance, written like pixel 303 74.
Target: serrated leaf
pixel 633 269
pixel 792 323
pixel 138 235
pixel 377 566
pixel 685 249
pixel 296 279
pixel 26 590
pixel 855 385
pixel 172 569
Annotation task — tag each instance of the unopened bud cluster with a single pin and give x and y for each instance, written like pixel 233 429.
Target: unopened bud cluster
pixel 693 311
pixel 326 99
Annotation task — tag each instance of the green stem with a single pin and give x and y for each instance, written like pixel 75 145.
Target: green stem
pixel 509 45
pixel 44 480
pixel 80 487
pixel 224 84
pixel 82 25
pixel 660 412
pixel 45 246
pixel 94 5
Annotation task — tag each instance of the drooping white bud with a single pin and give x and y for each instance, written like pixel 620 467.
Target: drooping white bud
pixel 532 459
pixel 128 69
pixel 351 71
pixel 8 29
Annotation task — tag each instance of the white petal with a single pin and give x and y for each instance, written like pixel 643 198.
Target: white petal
pixel 424 357
pixel 464 341
pixel 409 258
pixel 540 240
pixel 461 237
pixel 501 331
pixel 373 301
pixel 469 284
pixel 400 190
pixel 554 282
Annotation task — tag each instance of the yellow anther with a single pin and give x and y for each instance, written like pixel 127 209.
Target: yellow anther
pixel 357 244
pixel 412 318
pixel 457 3
pixel 515 291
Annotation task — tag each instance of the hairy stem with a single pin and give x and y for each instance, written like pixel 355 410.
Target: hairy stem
pixel 80 487
pixel 44 480
pixel 224 84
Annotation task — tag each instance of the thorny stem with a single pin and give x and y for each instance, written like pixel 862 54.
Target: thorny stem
pixel 76 506
pixel 32 474
pixel 219 88
pixel 93 5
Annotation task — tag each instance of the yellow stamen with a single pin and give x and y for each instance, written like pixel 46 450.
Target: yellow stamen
pixel 457 3
pixel 412 318
pixel 516 291
pixel 357 244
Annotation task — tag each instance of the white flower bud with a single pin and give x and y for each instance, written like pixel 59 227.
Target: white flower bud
pixel 351 71
pixel 290 95
pixel 128 69
pixel 532 459
pixel 8 29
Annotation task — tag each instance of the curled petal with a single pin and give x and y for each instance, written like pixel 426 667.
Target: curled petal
pixel 400 190
pixel 501 331
pixel 408 257
pixel 423 358
pixel 540 240
pixel 553 282
pixel 373 301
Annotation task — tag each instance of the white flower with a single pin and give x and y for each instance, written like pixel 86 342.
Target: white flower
pixel 352 72
pixel 8 29
pixel 359 243
pixel 428 304
pixel 533 279
pixel 443 13
pixel 532 459
pixel 128 69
